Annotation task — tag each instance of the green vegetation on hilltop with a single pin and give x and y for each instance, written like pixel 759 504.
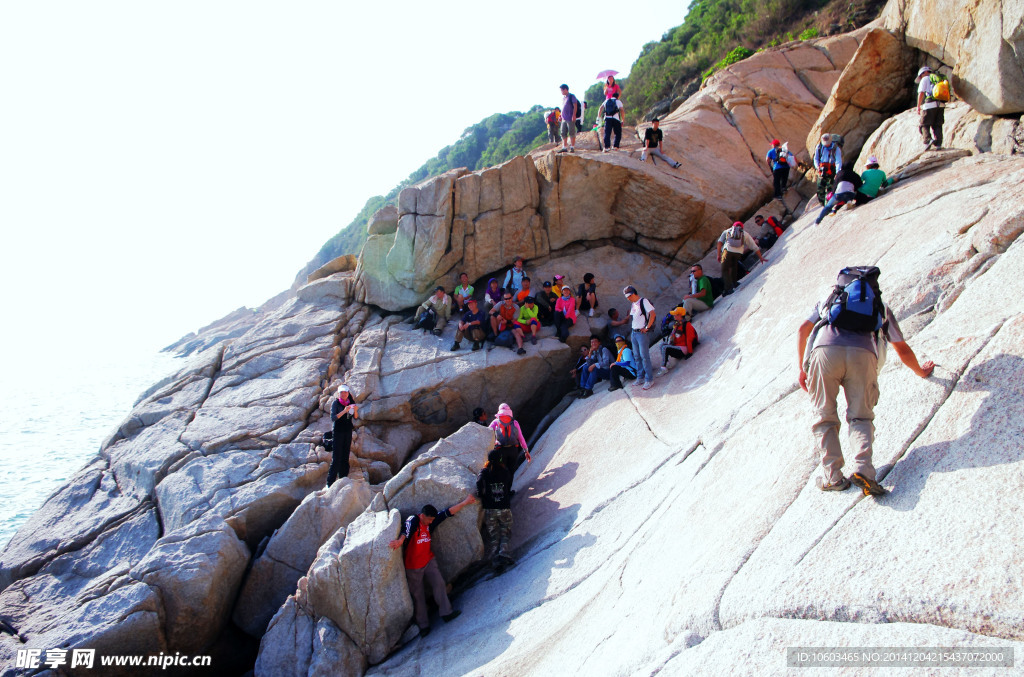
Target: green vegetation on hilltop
pixel 717 33
pixel 491 141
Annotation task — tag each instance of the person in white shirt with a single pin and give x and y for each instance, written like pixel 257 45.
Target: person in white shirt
pixel 612 122
pixel 732 243
pixel 930 110
pixel 642 314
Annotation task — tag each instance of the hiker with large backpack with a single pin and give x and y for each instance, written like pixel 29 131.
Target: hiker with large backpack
pixel 842 344
pixel 570 111
pixel 494 489
pixel 641 311
pixel 509 440
pixel 704 297
pixel 932 95
pixel 614 114
pixel 778 159
pixel 828 160
pixel 732 244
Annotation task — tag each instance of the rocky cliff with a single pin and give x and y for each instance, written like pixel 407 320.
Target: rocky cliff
pixel 674 530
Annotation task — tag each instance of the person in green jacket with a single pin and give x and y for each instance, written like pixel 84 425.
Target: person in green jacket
pixel 874 180
pixel 527 322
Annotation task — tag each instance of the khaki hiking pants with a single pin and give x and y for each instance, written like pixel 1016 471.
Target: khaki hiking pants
pixel 430 575
pixel 855 370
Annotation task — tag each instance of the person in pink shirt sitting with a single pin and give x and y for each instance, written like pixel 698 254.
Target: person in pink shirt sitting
pixel 565 314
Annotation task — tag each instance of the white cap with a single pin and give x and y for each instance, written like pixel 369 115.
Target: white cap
pixel 343 389
pixel 872 160
pixel 921 73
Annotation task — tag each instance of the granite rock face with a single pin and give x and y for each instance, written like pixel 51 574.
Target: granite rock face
pixel 705 536
pixel 541 206
pixel 983 42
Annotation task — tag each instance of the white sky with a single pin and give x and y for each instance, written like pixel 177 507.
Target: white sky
pixel 162 164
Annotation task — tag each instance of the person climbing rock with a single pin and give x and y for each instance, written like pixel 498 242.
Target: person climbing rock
pixel 623 367
pixel 343 412
pixel 565 314
pixel 828 159
pixel 848 182
pixel 778 162
pixel 839 346
pixel 930 109
pixel 642 313
pixel 680 341
pixel 508 439
pixel 772 235
pixel 420 565
pixel 704 297
pixel 653 143
pixel 732 244
pixel 874 180
pixel 597 366
pixel 474 323
pixel 434 313
pixel 494 489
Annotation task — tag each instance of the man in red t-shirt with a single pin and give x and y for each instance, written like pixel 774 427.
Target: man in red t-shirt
pixel 420 565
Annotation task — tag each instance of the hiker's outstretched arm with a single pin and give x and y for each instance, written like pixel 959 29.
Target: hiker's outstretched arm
pixel 802 335
pixel 908 358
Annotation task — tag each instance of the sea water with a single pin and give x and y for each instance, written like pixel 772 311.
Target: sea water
pixel 56 414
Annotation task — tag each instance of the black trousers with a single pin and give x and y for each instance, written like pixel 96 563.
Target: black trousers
pixel 562 325
pixel 339 459
pixel 780 177
pixel 618 372
pixel 612 125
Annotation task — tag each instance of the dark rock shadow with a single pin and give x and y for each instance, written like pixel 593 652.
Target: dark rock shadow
pixel 995 436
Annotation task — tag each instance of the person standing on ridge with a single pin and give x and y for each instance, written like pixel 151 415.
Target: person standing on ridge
pixel 838 347
pixel 828 159
pixel 732 244
pixel 653 138
pixel 552 119
pixel 778 163
pixel 570 111
pixel 343 413
pixel 641 311
pixel 614 114
pixel 494 489
pixel 420 565
pixel 509 440
pixel 930 109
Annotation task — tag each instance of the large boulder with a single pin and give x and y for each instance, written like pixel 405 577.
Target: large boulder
pixel 675 512
pixel 299 645
pixel 292 549
pixel 873 85
pixel 358 582
pixel 982 41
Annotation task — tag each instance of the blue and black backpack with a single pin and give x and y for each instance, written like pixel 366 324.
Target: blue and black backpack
pixel 855 303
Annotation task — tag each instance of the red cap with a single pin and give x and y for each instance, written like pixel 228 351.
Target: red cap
pixel 776 142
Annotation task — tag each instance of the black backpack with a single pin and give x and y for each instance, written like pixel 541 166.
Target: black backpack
pixel 329 440
pixel 611 107
pixel 717 286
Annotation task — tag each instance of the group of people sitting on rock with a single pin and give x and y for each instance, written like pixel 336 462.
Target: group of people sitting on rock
pixel 850 188
pixel 509 313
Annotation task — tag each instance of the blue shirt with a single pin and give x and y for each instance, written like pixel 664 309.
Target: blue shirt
pixel 832 154
pixel 777 158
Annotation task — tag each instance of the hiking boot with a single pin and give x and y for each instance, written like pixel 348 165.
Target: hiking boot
pixel 612 389
pixel 841 485
pixel 436 332
pixel 521 351
pixel 585 394
pixel 562 150
pixel 452 616
pixel 870 487
pixel 456 346
pixel 476 345
pixel 424 632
